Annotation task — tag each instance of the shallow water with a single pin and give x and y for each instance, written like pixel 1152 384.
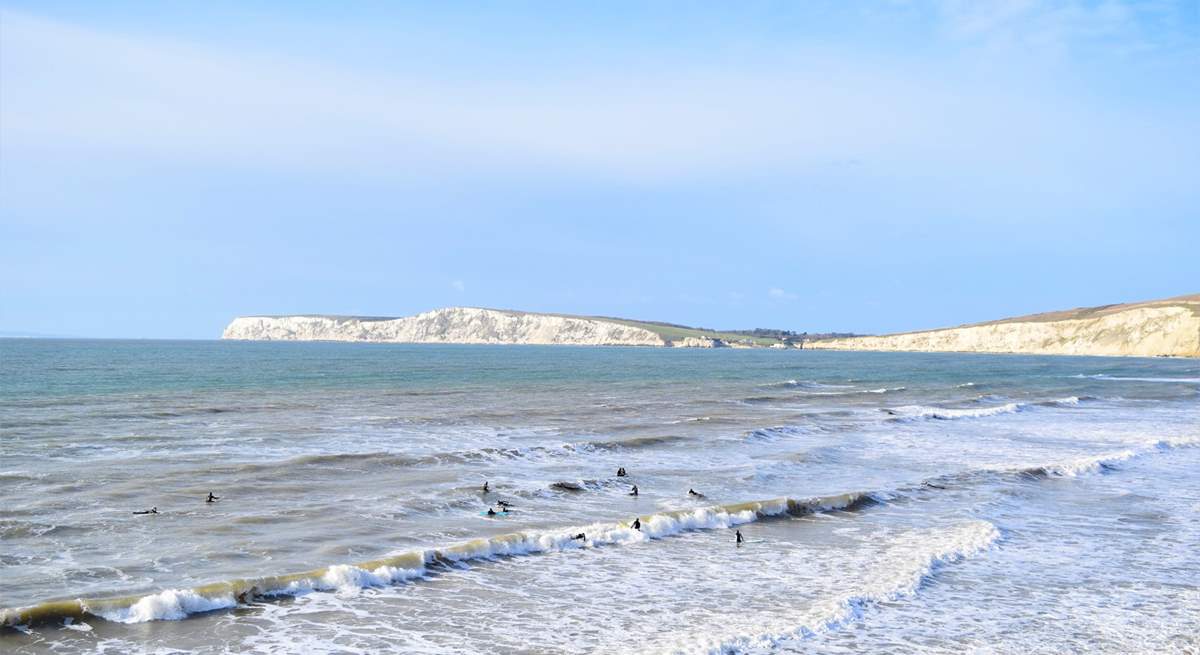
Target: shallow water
pixel 938 502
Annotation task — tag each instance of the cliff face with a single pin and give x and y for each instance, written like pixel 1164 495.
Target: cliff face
pixel 1163 327
pixel 450 325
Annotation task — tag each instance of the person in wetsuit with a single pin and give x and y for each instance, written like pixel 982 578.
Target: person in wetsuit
pixel 211 498
pixel 581 536
pixel 491 512
pixel 634 492
pixel 152 510
pixel 739 538
pixel 621 472
pixel 637 524
pixel 693 492
pixel 485 487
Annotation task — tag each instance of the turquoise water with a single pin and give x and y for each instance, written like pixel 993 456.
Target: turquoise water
pixel 932 497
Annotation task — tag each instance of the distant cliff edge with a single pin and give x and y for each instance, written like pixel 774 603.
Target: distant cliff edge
pixel 1168 327
pixel 494 326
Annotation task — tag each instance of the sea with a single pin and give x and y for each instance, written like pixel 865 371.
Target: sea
pixel 885 502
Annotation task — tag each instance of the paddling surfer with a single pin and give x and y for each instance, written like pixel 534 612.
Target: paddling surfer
pixel 152 510
pixel 211 498
pixel 634 492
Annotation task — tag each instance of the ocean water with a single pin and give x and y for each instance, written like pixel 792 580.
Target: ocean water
pixel 890 503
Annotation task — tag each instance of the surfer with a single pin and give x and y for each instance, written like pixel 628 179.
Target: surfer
pixel 693 492
pixel 621 472
pixel 491 512
pixel 152 510
pixel 485 487
pixel 504 504
pixel 637 524
pixel 739 537
pixel 247 595
pixel 211 498
pixel 581 536
pixel 634 492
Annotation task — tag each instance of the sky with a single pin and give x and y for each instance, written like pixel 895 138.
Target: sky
pixel 814 166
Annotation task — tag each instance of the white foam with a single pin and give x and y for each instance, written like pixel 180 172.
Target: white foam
pixel 809 384
pixel 656 526
pixel 347 578
pixel 925 411
pixel 169 605
pixel 70 624
pixel 1119 378
pixel 901 576
pixel 1096 463
pixel 1176 442
pixel 911 412
pixel 1089 464
pixel 850 392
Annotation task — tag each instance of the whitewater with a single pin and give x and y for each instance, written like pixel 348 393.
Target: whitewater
pixel 889 502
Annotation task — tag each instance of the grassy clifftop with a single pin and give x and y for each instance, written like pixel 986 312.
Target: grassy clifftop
pixel 1168 327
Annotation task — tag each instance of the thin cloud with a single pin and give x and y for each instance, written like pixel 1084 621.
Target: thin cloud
pixel 73 88
pixel 458 286
pixel 780 294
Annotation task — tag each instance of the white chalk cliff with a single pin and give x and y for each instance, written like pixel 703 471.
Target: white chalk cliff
pixel 1162 327
pixel 449 325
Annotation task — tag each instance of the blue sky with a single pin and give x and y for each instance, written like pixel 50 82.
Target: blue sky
pixel 860 166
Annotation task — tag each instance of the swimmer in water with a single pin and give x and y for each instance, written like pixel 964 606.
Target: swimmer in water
pixel 634 492
pixel 637 524
pixel 211 498
pixel 152 510
pixel 739 538
pixel 491 512
pixel 621 472
pixel 485 487
pixel 693 492
pixel 581 536
pixel 504 504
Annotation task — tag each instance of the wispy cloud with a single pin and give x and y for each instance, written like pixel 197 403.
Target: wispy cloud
pixel 1063 24
pixel 780 294
pixel 76 88
pixel 458 286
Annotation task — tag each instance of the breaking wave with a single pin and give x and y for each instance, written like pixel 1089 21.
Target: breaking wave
pixel 1104 462
pixel 1120 378
pixel 918 412
pixel 175 604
